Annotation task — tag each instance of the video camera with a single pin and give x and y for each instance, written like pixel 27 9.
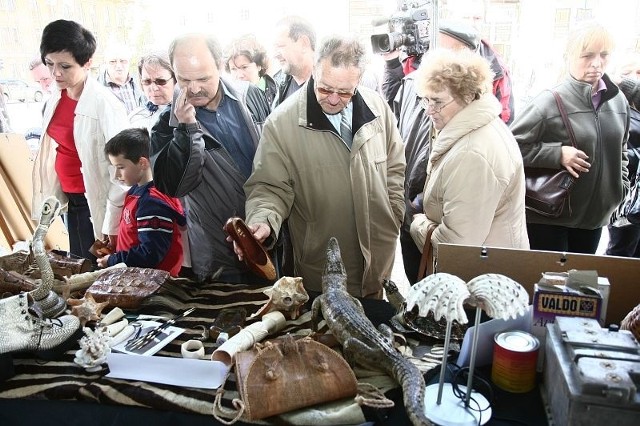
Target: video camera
pixel 408 30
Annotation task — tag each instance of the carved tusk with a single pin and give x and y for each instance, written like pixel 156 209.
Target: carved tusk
pixel 122 336
pixel 89 277
pixel 114 315
pixel 116 328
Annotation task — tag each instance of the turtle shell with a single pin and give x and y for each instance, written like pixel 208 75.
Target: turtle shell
pixel 631 322
pixel 428 326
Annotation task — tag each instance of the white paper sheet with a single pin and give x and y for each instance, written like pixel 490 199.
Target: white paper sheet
pixel 194 373
pixel 487 331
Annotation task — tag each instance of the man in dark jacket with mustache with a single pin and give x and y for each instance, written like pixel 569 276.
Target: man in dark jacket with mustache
pixel 202 151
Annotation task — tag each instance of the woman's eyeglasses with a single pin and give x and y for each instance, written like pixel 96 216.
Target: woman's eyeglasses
pixel 343 95
pixel 157 81
pixel 435 106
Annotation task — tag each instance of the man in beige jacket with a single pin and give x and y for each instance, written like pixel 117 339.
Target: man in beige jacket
pixel 332 179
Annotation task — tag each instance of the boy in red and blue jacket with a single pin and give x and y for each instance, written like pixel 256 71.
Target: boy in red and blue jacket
pixel 149 235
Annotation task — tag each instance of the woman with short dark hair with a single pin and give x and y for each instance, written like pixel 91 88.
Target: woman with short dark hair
pixel 79 118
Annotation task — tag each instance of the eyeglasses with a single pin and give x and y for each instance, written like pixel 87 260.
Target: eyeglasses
pixel 157 81
pixel 343 95
pixel 436 106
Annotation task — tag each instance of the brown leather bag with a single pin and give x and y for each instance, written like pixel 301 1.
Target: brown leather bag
pixel 549 190
pixel 285 374
pixel 427 260
pixel 65 264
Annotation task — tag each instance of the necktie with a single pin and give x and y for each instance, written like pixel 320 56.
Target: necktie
pixel 345 129
pixel 151 106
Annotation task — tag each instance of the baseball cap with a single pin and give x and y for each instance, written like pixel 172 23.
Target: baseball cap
pixel 461 32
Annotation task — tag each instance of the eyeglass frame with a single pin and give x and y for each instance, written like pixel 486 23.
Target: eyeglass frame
pixel 345 96
pixel 426 105
pixel 156 81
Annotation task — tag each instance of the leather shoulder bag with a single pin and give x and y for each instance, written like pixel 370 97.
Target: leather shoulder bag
pixel 427 259
pixel 286 374
pixel 548 190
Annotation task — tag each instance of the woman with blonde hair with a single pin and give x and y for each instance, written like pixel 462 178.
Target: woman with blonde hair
pixel 474 191
pixel 599 116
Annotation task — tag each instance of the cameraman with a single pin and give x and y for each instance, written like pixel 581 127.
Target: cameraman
pixel 415 125
pixel 452 35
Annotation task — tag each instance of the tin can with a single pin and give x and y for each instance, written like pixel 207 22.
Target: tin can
pixel 515 354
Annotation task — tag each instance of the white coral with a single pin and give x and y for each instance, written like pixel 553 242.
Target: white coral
pixel 94 347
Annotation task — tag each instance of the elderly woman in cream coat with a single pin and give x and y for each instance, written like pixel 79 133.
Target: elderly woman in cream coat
pixel 474 191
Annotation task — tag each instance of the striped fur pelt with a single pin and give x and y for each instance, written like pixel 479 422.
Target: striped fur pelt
pixel 62 379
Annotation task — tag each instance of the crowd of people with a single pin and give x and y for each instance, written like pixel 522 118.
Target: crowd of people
pixel 157 162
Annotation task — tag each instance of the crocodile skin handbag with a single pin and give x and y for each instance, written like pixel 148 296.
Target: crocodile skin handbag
pixel 127 288
pixel 285 374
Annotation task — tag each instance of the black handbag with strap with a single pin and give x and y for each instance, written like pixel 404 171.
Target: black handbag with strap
pixel 548 190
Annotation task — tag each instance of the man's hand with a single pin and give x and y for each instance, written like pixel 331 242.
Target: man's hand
pixel 574 160
pixel 416 203
pixel 185 112
pixel 260 232
pixel 103 261
pixel 113 241
pixel 390 55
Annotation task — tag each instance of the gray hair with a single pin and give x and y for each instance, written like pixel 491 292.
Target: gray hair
pixel 298 27
pixel 155 59
pixel 343 51
pixel 35 62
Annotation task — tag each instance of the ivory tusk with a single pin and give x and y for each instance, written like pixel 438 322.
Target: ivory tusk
pixel 122 336
pixel 114 315
pixel 117 327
